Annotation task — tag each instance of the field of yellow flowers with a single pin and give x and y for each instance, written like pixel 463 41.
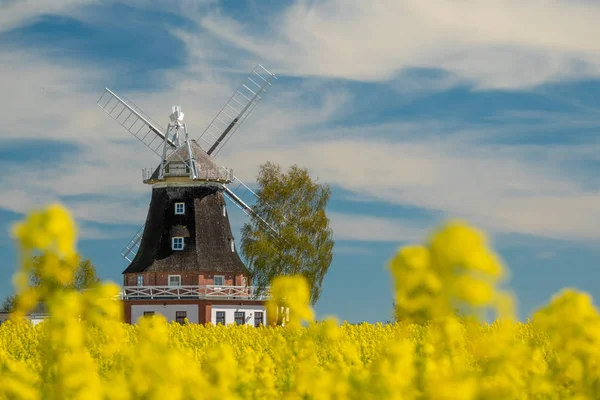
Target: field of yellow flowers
pixel 439 350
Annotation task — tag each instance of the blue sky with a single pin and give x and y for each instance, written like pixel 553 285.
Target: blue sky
pixel 413 112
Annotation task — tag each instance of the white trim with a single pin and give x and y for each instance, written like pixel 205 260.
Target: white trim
pixel 229 310
pixel 224 322
pixel 168 311
pixel 224 210
pixel 159 185
pixel 173 243
pixel 169 280
pixel 225 292
pixel 232 245
pixel 215 280
pixel 179 203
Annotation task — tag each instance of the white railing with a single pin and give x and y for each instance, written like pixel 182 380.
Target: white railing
pixel 195 292
pixel 220 174
pixel 147 173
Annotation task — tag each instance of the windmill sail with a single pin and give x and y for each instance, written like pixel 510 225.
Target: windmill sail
pixel 133 246
pixel 134 120
pixel 244 197
pixel 235 111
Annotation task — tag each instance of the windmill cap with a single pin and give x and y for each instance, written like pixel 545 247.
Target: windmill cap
pixel 177 114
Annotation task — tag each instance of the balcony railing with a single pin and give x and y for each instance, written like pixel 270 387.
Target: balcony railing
pixel 220 174
pixel 195 292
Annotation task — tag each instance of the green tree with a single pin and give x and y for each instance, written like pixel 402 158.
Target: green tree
pixel 85 277
pixel 294 205
pixel 8 304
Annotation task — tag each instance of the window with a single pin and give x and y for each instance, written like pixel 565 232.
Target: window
pixel 258 319
pixel 174 280
pixel 224 211
pixel 219 280
pixel 240 317
pixel 180 317
pixel 148 313
pixel 220 318
pixel 140 280
pixel 177 243
pixel 179 208
pixel 232 245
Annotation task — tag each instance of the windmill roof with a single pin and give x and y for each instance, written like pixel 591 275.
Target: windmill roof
pixel 204 163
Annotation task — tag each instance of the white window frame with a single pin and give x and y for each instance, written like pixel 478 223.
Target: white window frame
pixel 173 240
pixel 140 280
pixel 215 280
pixel 177 212
pixel 174 276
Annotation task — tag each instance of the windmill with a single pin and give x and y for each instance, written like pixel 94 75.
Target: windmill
pixel 184 255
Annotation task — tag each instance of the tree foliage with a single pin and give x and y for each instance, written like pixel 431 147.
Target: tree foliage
pixel 294 205
pixel 85 277
pixel 9 303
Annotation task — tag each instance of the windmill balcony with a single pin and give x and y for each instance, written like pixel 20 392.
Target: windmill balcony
pixel 195 292
pixel 220 174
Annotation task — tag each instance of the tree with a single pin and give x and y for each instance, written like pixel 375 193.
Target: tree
pixel 294 205
pixel 85 277
pixel 9 303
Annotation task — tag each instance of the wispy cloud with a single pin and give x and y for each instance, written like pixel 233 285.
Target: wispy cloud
pixel 449 167
pixel 373 229
pixel 494 44
pixel 14 14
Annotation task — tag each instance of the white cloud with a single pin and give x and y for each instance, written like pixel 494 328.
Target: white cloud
pixel 448 169
pixel 15 13
pixel 87 232
pixel 373 229
pixel 500 188
pixel 493 43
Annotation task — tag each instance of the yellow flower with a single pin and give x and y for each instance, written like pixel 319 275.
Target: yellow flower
pixel 83 351
pixel 290 301
pixel 49 229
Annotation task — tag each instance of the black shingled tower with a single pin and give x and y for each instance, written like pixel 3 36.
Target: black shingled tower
pixel 204 225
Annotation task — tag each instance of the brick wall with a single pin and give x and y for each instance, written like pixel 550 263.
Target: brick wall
pixel 187 278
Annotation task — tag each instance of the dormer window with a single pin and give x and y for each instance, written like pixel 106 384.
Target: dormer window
pixel 179 208
pixel 232 245
pixel 177 243
pixel 224 211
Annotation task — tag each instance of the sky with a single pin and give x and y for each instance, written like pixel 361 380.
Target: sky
pixel 413 112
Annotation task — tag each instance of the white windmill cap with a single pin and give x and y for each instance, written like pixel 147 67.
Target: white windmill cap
pixel 177 114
